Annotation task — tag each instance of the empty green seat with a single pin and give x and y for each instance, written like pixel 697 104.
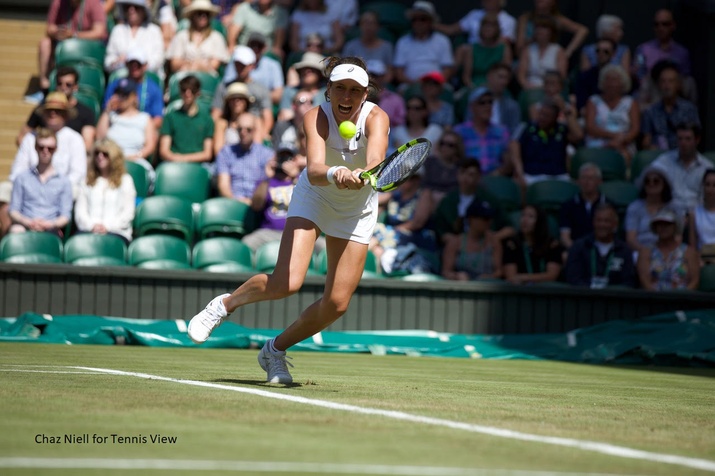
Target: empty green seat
pixel 187 181
pixel 208 81
pixel 611 163
pixel 223 216
pixel 89 249
pixel 31 247
pixel 140 176
pixel 505 189
pixel 641 160
pixel 222 254
pixel 267 256
pixel 165 215
pixel 620 193
pixel 74 51
pixel 707 278
pixel 550 194
pixel 159 252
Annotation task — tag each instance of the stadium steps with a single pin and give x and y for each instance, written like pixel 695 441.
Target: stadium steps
pixel 18 67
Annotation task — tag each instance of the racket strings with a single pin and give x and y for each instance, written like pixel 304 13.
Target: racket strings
pixel 404 164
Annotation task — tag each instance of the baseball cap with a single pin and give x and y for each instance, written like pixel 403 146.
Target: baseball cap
pixel 480 209
pixel 125 87
pixel 244 55
pixel 136 54
pixel 435 76
pixel 376 67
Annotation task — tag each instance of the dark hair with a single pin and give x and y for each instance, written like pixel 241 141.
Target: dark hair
pixel 666 195
pixel 551 104
pixel 707 173
pixel 191 83
pixel 500 65
pixel 541 236
pixel 547 21
pixel 663 65
pixel 469 162
pixel 603 206
pixel 421 99
pixel 333 61
pixel 690 126
pixel 67 71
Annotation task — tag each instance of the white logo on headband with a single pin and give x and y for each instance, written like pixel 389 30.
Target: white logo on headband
pixel 351 70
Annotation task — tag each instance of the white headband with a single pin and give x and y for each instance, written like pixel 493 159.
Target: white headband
pixel 350 71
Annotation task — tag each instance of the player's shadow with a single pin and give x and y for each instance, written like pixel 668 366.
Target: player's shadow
pixel 257 383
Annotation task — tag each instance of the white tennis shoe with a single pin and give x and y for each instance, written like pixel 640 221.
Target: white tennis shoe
pixel 275 365
pixel 203 324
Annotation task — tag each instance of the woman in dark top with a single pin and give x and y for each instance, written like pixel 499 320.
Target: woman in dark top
pixel 532 256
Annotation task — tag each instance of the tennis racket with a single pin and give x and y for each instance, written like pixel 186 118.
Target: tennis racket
pixel 399 166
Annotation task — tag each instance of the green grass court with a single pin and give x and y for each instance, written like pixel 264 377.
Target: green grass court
pixel 384 415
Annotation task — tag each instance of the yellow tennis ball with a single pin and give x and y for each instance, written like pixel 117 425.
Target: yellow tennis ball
pixel 347 130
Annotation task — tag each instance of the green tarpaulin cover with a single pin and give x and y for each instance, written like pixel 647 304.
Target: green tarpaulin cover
pixel 681 338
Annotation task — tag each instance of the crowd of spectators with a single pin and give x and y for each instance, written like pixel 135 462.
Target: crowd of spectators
pixel 226 84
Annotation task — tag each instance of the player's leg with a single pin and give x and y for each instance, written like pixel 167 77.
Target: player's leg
pixel 346 260
pixel 294 258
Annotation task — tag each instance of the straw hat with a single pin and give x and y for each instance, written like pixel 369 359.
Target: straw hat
pixel 421 6
pixel 200 6
pixel 310 60
pixel 239 90
pixel 57 101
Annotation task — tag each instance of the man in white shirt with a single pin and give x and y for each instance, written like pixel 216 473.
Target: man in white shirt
pixel 472 21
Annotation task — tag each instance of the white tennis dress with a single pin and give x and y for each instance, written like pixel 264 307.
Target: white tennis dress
pixel 342 213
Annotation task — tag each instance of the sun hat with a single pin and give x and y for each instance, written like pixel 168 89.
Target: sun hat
pixel 310 60
pixel 421 6
pixel 57 101
pixel 665 215
pixel 237 90
pixel 200 6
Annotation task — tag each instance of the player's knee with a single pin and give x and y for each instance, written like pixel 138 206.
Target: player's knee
pixel 335 306
pixel 282 287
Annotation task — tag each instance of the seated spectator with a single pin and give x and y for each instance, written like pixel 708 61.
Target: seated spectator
pixel 471 23
pixel 199 47
pixel 663 46
pixel 525 28
pixel 310 72
pixel 67 79
pixel 685 166
pixel 702 220
pixel 505 110
pixel 175 145
pixel 345 11
pixel 576 215
pixel 389 101
pixel 539 148
pixel 288 132
pixel 670 264
pixel 314 44
pixel 83 19
pixel 227 11
pixel 271 199
pixel 483 140
pixel 656 194
pixel 554 91
pixel 264 17
pixel 477 58
pixel 476 253
pixel 369 46
pixel 238 100
pixel 542 55
pixel 448 218
pixel 135 32
pixel 532 256
pixel 423 49
pixel 268 70
pixel 41 196
pixel 149 93
pixel 131 129
pixel 441 112
pixel 609 28
pixel 312 16
pixel 107 200
pixel 660 119
pixel 613 117
pixel 162 13
pixel 244 62
pixel 240 167
pixel 417 124
pixel 587 80
pixel 439 172
pixel 601 259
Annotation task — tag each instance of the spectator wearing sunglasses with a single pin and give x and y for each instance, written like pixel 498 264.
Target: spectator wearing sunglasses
pixel 608 27
pixel 663 46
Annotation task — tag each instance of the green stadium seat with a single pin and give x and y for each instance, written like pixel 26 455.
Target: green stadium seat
pixel 165 215
pixel 710 154
pixel 221 255
pixel 208 81
pixel 621 193
pixel 31 247
pixel 222 216
pixel 184 180
pixel 528 97
pixel 611 163
pixel 707 278
pixel 267 257
pixel 550 194
pixel 73 51
pixel 140 176
pixel 370 271
pixel 505 189
pixel 88 249
pixel 160 252
pixel 641 160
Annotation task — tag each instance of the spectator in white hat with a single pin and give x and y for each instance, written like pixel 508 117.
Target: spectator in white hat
pixel 198 48
pixel 312 78
pixel 136 30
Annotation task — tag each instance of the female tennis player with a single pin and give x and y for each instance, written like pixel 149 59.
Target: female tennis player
pixel 329 197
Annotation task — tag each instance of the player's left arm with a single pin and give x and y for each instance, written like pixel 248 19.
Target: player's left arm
pixel 377 130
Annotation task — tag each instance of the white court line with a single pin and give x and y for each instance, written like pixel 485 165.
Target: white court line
pixel 266 467
pixel 595 446
pixel 48 371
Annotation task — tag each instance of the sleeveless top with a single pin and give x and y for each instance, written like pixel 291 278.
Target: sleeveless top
pixel 474 263
pixel 482 59
pixel 617 119
pixel 277 200
pixel 705 225
pixel 129 132
pixel 669 271
pixel 539 65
